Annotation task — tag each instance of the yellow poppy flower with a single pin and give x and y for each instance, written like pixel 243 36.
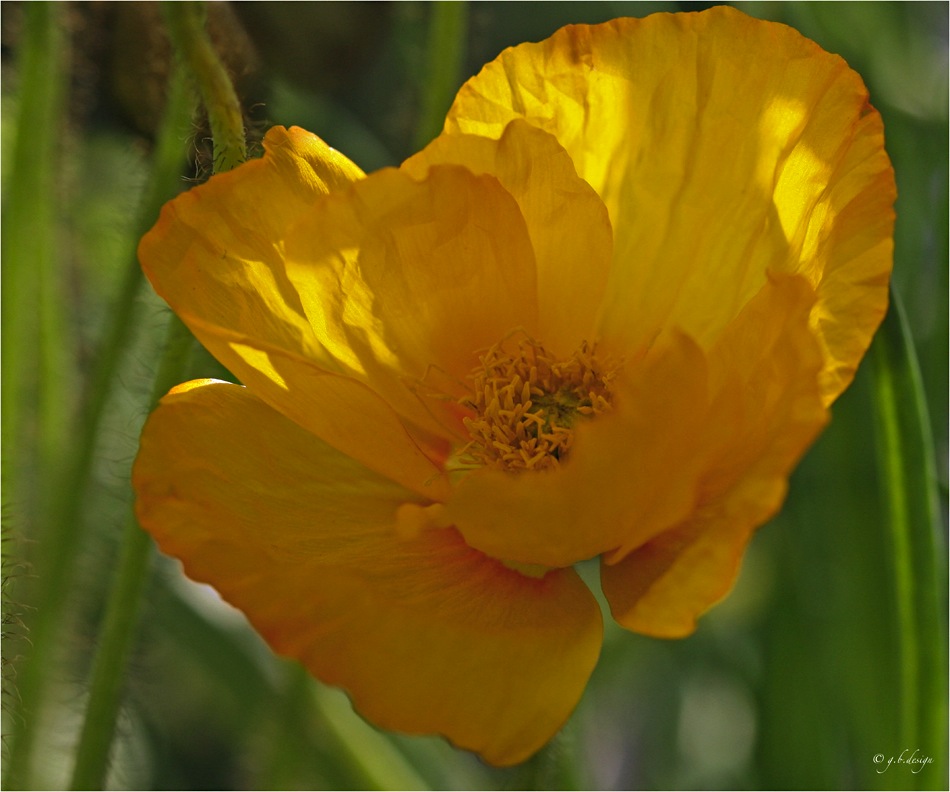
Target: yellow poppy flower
pixel 603 314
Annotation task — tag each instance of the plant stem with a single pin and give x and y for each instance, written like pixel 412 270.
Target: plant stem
pixel 118 630
pixel 370 755
pixel 30 323
pixel 186 27
pixel 197 56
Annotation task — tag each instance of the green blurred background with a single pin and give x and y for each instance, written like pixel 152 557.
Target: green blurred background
pixel 813 666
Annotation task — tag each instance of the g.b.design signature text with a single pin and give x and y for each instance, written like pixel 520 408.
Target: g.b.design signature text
pixel 914 760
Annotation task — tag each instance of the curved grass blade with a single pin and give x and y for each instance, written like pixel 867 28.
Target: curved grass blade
pixel 448 27
pixel 918 555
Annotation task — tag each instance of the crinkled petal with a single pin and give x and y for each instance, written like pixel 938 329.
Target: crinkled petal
pixel 426 634
pixel 684 423
pixel 723 147
pixel 631 469
pixel 216 252
pixel 216 256
pixel 846 253
pixel 766 408
pixel 567 222
pixel 400 277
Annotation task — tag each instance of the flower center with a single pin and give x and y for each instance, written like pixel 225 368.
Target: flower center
pixel 526 403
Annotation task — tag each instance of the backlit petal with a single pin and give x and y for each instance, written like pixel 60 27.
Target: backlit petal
pixel 216 252
pixel 714 171
pixel 765 409
pixel 399 276
pixel 684 424
pixel 846 254
pixel 216 256
pixel 566 220
pixel 338 409
pixel 425 633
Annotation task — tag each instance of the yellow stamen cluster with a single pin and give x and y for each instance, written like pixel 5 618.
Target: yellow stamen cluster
pixel 526 404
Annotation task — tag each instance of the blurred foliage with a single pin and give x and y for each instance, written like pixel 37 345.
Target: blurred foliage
pixel 794 682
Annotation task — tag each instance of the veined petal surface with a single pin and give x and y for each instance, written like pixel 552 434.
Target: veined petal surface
pixel 566 220
pixel 217 256
pixel 723 147
pixel 400 277
pixel 686 423
pixel 765 408
pixel 216 251
pixel 425 633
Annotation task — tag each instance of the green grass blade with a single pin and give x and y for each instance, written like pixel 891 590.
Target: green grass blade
pixel 908 476
pixel 448 28
pixel 29 209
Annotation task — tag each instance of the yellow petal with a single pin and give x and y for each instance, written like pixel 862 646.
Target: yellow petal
pixel 765 409
pixel 661 588
pixel 847 252
pixel 631 469
pixel 399 276
pixel 216 256
pixel 338 409
pixel 426 634
pixel 723 147
pixel 216 251
pixel 567 222
pixel 682 423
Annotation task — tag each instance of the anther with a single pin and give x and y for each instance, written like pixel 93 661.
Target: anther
pixel 526 403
